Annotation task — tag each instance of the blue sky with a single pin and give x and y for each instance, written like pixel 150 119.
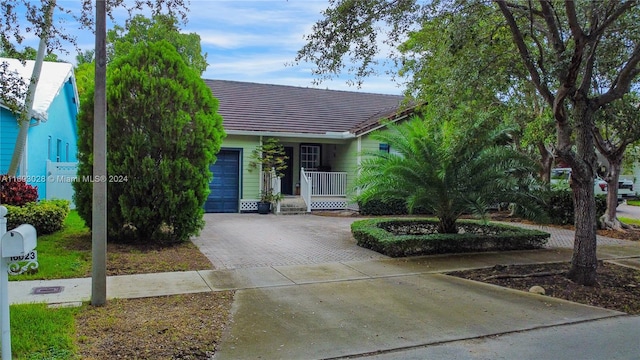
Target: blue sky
pixel 253 40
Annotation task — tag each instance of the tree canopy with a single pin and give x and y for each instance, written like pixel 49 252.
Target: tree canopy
pixel 137 30
pixel 22 17
pixel 141 29
pixel 479 67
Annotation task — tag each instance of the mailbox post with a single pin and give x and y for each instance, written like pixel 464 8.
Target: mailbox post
pixel 18 242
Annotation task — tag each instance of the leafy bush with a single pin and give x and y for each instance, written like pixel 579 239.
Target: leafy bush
pixel 381 235
pixel 559 206
pixel 379 207
pixel 47 216
pixel 375 207
pixel 15 191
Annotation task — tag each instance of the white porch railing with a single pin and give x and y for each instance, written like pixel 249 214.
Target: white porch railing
pixel 325 183
pixel 305 188
pixel 276 187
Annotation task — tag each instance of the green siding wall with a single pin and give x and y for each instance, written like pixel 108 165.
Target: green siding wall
pixel 346 159
pixel 367 144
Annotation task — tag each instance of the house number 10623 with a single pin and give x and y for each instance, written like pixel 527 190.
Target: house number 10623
pixel 30 256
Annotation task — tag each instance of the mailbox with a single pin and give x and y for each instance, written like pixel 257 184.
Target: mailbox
pixel 19 241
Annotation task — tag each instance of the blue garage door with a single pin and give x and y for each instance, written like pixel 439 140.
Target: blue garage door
pixel 225 186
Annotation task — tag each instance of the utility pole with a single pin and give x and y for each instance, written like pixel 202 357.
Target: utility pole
pixel 99 214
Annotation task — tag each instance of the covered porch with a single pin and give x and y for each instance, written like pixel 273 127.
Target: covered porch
pixel 317 190
pixel 323 190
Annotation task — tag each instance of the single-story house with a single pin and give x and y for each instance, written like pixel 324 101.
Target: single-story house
pixel 49 159
pixel 323 133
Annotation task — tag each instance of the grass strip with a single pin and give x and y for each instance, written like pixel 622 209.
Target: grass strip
pixel 64 254
pixel 40 332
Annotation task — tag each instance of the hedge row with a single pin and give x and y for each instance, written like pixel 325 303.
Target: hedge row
pixel 391 207
pixel 559 205
pixel 371 234
pixel 47 216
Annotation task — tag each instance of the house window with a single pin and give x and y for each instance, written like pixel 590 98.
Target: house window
pixel 66 152
pixel 58 150
pixel 388 149
pixel 49 150
pixel 310 156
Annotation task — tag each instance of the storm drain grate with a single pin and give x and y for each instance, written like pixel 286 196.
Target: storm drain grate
pixel 44 290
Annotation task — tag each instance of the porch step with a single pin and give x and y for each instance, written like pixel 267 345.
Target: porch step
pixel 293 211
pixel 293 206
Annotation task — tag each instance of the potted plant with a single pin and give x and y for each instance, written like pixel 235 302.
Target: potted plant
pixel 271 159
pixel 266 199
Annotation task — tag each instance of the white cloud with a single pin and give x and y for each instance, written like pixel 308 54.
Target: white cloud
pixel 243 39
pixel 252 41
pixel 249 66
pixel 255 13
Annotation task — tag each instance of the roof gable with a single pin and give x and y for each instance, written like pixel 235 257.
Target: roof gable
pixel 259 108
pixel 52 79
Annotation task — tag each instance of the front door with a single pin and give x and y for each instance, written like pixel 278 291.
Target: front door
pixel 287 179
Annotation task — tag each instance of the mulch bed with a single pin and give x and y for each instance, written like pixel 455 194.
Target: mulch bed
pixel 618 287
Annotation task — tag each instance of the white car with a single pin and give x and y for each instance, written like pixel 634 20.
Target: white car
pixel 625 188
pixel 560 178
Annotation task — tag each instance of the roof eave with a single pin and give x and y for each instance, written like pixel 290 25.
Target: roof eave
pixel 327 135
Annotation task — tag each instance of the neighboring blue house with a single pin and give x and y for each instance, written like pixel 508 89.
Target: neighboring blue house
pixel 52 138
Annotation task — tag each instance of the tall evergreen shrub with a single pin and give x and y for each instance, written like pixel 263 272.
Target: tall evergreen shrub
pixel 163 132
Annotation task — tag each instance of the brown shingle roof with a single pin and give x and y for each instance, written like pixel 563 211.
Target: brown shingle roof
pixel 257 107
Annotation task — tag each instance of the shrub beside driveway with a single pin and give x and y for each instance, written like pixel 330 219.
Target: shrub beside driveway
pixel 410 237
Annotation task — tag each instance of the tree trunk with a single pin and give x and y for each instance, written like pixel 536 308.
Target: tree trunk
pixel 546 162
pixel 584 261
pixel 447 225
pixel 24 119
pixel 610 219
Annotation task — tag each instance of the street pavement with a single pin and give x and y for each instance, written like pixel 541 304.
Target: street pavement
pixel 338 301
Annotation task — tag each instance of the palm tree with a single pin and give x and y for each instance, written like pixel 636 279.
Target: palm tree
pixel 447 169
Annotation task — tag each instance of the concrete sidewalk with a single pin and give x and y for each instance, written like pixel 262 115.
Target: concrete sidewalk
pixel 160 284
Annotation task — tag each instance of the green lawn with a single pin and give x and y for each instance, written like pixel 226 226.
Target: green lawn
pixel 39 332
pixel 629 221
pixel 64 254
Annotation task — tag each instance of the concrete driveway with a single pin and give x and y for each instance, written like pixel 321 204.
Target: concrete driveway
pixel 628 211
pixel 240 241
pixel 235 241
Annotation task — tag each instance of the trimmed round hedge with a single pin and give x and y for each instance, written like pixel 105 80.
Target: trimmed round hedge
pixel 410 237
